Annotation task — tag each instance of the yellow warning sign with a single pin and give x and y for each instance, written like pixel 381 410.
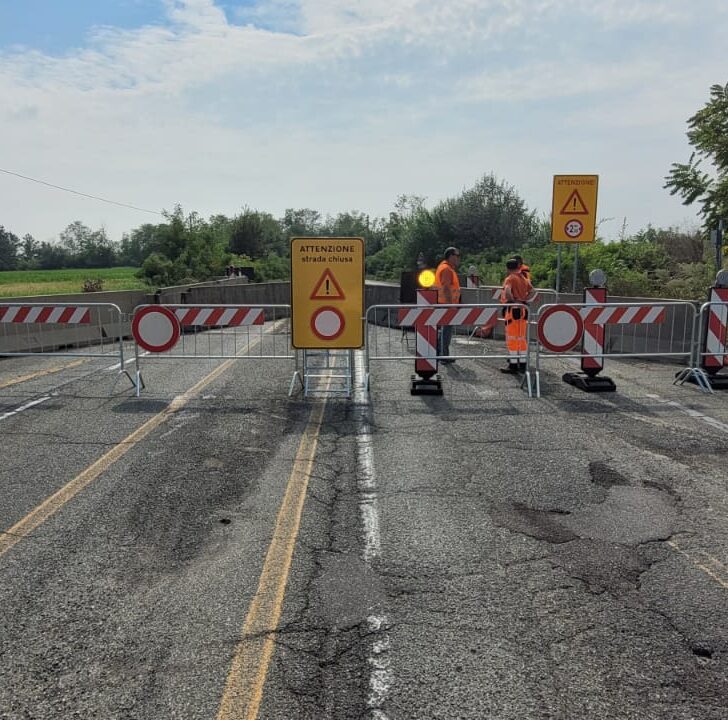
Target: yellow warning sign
pixel 327 293
pixel 327 288
pixel 574 208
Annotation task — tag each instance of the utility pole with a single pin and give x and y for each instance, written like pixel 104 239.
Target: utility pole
pixel 719 245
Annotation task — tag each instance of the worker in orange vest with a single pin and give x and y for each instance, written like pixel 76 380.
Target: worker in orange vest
pixel 523 268
pixel 516 289
pixel 448 293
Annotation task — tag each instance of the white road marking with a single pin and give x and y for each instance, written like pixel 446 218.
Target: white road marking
pixel 717 424
pixel 381 675
pixel 27 405
pixel 126 362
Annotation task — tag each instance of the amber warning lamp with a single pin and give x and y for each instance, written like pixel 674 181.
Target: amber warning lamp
pixel 426 278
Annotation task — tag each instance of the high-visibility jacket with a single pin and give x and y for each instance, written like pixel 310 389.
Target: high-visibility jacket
pixel 446 276
pixel 516 318
pixel 520 288
pixel 526 272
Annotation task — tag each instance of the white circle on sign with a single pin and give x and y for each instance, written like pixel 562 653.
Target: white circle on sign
pixel 560 328
pixel 327 323
pixel 155 328
pixel 574 228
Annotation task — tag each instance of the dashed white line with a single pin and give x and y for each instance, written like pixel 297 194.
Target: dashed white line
pixel 381 675
pixel 717 424
pixel 27 405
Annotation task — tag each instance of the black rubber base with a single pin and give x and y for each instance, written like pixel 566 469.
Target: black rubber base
pixel 426 386
pixel 717 382
pixel 590 384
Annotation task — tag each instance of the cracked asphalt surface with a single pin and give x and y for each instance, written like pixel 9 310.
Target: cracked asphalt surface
pixel 562 558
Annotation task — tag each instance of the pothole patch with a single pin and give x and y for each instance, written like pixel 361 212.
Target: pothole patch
pixel 605 476
pixel 539 524
pixel 628 515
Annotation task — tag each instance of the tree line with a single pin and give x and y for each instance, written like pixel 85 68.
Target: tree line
pixel 489 222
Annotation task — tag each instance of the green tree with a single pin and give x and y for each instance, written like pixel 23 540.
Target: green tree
pixel 9 243
pixel 53 257
pixel 708 134
pixel 254 234
pixel 185 248
pixel 28 250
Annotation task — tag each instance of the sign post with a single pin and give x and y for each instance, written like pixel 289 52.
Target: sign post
pixel 573 215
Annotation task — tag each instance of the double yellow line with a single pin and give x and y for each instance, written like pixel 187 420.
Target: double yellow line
pixel 41 373
pixel 55 502
pixel 243 691
pixel 244 687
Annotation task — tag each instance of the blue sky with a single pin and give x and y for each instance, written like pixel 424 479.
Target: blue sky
pixel 344 104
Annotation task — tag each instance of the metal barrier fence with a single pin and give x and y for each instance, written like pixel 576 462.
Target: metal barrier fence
pixel 387 339
pixel 88 330
pixel 710 347
pixel 630 330
pixel 490 294
pixel 224 332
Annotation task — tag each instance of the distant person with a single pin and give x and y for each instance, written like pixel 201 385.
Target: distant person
pixel 472 280
pixel 447 284
pixel 516 289
pixel 523 268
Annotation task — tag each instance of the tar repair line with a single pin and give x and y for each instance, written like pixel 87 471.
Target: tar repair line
pixel 27 405
pixel 381 677
pixel 51 505
pixel 243 691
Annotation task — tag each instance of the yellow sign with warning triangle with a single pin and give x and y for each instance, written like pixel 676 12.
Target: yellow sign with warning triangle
pixel 327 293
pixel 574 208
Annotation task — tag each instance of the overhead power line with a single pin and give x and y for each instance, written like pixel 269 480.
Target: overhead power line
pixel 82 194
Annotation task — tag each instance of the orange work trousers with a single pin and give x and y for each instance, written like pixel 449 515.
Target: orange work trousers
pixel 516 320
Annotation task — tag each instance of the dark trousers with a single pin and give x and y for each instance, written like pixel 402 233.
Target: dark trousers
pixel 444 335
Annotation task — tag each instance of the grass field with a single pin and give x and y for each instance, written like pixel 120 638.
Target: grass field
pixel 19 283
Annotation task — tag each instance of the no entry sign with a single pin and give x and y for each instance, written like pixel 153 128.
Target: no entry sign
pixel 560 328
pixel 155 328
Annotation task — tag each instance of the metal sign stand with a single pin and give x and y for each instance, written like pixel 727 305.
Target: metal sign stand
pixel 328 373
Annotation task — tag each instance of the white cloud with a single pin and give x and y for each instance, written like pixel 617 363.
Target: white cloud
pixel 337 104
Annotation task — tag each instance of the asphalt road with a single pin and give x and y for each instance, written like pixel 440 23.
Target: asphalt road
pixel 476 555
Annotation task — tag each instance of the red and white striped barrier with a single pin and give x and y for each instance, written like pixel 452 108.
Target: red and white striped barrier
pixel 560 327
pixel 592 345
pixel 649 315
pixel 435 317
pixel 497 293
pixel 219 317
pixel 58 314
pixel 715 339
pixel 425 337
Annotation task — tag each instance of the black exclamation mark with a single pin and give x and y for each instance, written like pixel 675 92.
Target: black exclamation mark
pixel 574 204
pixel 327 286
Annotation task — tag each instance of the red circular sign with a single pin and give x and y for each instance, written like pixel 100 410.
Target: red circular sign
pixel 327 323
pixel 574 228
pixel 560 327
pixel 155 328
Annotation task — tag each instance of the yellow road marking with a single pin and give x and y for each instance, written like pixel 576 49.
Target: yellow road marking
pixel 244 687
pixel 56 501
pixel 41 373
pixel 708 571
